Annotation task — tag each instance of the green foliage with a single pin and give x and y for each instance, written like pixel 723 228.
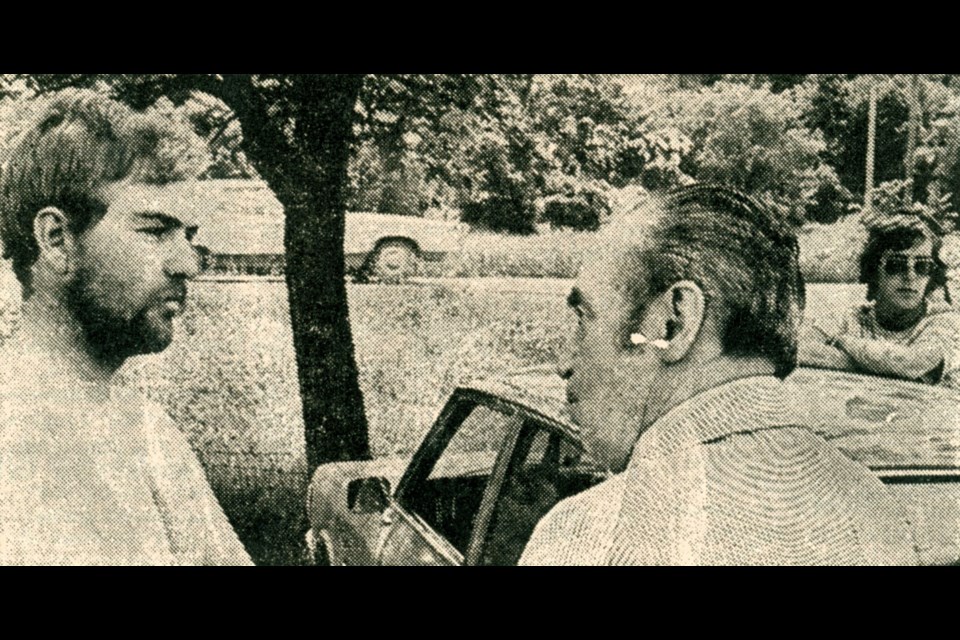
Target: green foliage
pixel 892 115
pixel 580 207
pixel 780 82
pixel 839 110
pixel 825 199
pixel 488 145
pixel 755 140
pixel 585 119
pixel 890 199
pixel 216 123
pixel 386 182
pixel 208 137
pixel 447 141
pixel 830 113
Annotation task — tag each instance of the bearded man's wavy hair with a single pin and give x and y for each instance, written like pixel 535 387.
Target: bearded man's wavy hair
pixel 81 141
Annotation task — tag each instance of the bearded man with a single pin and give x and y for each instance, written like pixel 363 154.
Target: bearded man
pixel 97 224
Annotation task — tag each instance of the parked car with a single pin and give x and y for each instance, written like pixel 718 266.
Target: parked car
pixel 242 231
pixel 392 248
pixel 502 453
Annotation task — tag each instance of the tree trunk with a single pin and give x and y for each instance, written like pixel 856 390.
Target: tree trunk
pixel 333 409
pixel 299 140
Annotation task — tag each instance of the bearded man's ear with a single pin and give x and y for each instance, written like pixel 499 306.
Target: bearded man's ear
pixel 51 230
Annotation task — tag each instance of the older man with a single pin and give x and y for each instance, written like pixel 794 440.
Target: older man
pixel 96 221
pixel 687 322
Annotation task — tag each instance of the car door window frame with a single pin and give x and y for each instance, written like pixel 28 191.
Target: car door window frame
pixel 504 463
pixel 460 407
pixel 451 418
pixel 438 544
pixel 463 403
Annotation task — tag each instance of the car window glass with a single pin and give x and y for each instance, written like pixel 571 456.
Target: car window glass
pixel 474 446
pixel 449 498
pixel 545 467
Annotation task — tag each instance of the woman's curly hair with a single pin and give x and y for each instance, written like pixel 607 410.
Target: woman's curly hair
pixel 898 233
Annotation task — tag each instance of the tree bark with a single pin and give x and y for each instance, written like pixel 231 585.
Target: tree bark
pixel 300 143
pixel 333 408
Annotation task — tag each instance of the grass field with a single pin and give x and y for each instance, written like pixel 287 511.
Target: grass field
pixel 828 254
pixel 548 254
pixel 229 381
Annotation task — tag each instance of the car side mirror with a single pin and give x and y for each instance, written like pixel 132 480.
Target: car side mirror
pixel 368 495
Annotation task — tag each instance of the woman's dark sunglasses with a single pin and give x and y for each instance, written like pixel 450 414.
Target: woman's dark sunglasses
pixel 896 265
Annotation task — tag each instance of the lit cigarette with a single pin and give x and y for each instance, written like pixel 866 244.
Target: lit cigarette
pixel 639 338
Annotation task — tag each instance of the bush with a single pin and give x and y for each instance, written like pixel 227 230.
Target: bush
pixel 501 197
pixel 825 199
pixel 582 210
pixel 499 213
pixel 754 140
pixel 387 181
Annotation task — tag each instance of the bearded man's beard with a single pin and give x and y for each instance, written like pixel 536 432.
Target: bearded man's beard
pixel 110 336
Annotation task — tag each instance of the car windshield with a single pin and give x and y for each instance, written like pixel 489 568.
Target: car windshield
pixel 883 423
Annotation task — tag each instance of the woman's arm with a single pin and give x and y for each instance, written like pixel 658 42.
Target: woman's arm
pixel 879 356
pixel 815 350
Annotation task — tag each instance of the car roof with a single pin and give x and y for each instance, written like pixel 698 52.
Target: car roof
pixel 884 423
pixel 537 390
pixel 888 425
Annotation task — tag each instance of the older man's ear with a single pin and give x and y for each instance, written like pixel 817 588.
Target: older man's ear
pixel 54 239
pixel 685 306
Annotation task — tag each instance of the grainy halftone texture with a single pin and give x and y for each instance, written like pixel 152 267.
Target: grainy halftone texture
pixel 725 479
pixel 229 382
pixel 113 483
pixel 940 328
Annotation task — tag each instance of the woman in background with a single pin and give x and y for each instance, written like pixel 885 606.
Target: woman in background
pixel 902 331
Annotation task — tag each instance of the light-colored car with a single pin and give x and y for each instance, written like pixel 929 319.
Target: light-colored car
pixel 380 247
pixel 242 231
pixel 502 453
pixel 391 248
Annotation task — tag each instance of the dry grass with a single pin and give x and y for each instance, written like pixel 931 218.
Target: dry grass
pixel 828 253
pixel 548 254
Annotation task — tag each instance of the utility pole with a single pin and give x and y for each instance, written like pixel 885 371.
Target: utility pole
pixel 913 134
pixel 871 148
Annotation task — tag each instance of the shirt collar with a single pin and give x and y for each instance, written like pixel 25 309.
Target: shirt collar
pixel 745 405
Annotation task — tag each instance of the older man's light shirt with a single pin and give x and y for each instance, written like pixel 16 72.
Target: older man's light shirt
pixel 725 479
